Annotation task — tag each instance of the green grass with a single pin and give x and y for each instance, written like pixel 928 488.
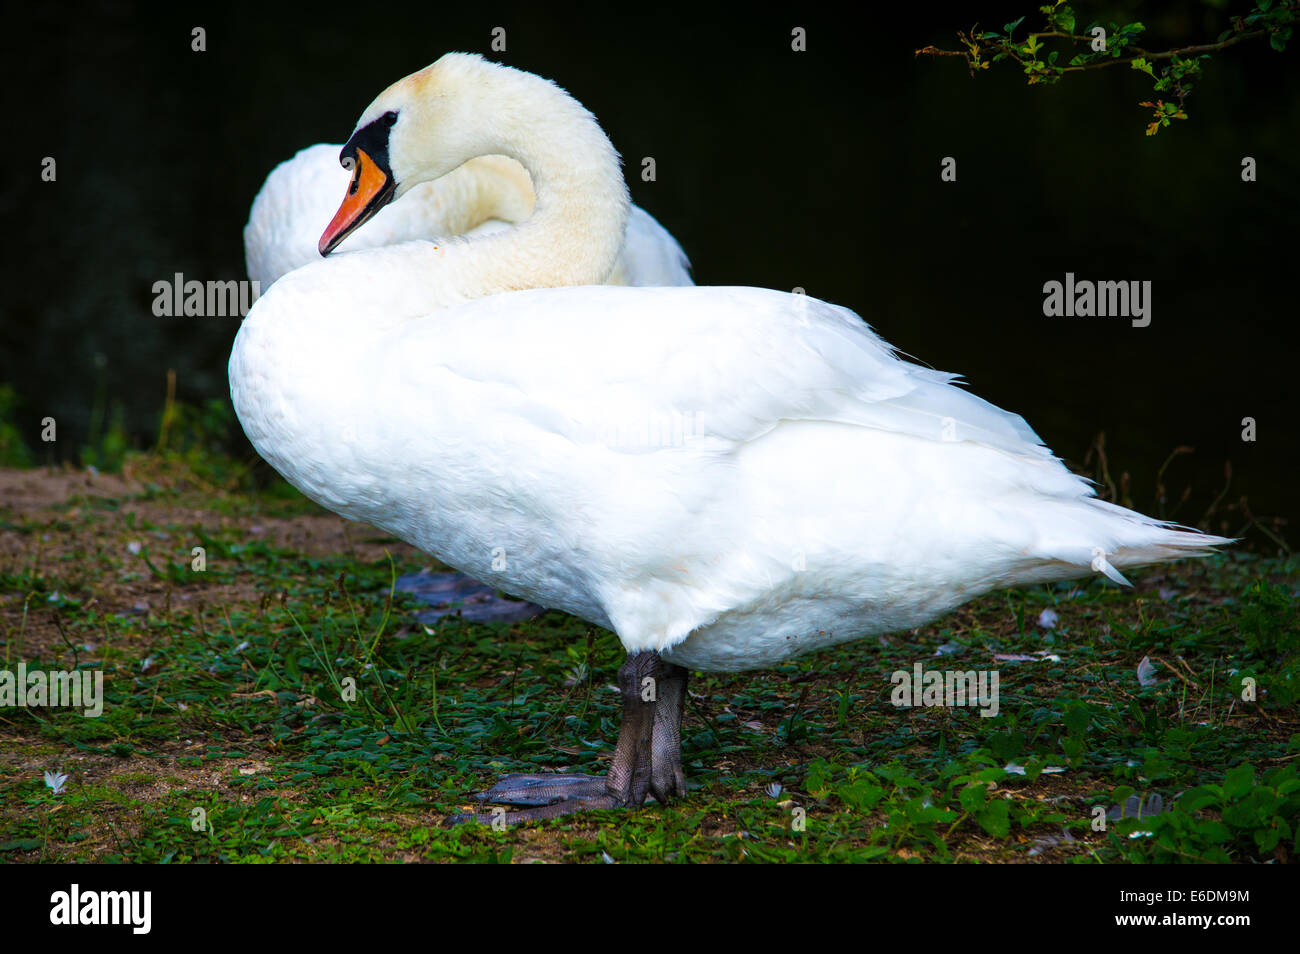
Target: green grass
pixel 238 742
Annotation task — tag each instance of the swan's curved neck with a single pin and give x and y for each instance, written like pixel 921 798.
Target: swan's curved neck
pixel 493 187
pixel 576 231
pixel 574 236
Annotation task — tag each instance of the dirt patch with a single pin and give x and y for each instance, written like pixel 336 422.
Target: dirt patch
pixel 87 537
pixel 26 491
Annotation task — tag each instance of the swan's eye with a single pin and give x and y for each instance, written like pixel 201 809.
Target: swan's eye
pixel 348 163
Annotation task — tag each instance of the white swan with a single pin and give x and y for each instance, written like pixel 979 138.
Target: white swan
pixel 486 194
pixel 726 477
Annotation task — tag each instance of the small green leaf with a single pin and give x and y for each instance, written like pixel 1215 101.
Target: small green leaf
pixel 996 818
pixel 1077 717
pixel 1216 832
pixel 21 844
pixel 1238 782
pixel 973 797
pixel 1200 797
pixel 1267 838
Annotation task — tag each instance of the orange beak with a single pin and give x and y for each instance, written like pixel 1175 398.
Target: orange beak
pixel 371 189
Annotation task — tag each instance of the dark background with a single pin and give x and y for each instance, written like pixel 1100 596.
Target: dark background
pixel 781 169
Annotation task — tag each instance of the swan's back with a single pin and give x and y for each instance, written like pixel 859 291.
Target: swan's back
pixel 651 256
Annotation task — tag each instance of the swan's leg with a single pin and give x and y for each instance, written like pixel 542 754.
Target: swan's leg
pixel 647 758
pixel 667 779
pixel 629 775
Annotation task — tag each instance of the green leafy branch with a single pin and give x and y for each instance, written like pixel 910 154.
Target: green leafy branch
pixel 1115 45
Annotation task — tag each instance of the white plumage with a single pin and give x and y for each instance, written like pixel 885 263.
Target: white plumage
pixel 730 476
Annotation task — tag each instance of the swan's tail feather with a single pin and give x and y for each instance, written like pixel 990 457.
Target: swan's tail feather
pixel 1177 545
pixel 1120 538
